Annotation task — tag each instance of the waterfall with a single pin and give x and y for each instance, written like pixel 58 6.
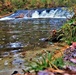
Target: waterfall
pixel 35 14
pixel 53 13
pixel 40 13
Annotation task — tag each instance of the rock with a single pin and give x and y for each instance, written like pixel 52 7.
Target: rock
pixel 16 55
pixel 73 46
pixel 73 54
pixel 18 61
pixel 6 63
pixel 70 55
pixel 44 39
pixel 50 43
pixel 16 73
pixel 27 73
pixel 5 54
pixel 66 74
pixel 22 55
pixel 45 73
pixel 0 58
pixel 20 16
pixel 72 68
pixel 73 60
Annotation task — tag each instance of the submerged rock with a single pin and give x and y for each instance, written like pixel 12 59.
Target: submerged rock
pixel 45 73
pixel 18 62
pixel 44 39
pixel 20 16
pixel 5 54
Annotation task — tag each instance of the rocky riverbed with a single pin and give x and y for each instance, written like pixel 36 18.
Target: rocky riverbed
pixel 17 61
pixel 11 61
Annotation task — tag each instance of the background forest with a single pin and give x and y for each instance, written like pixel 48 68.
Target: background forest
pixel 8 6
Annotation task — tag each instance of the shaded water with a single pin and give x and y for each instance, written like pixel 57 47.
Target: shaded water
pixel 21 34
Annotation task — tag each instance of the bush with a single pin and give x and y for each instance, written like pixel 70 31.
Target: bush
pixel 69 31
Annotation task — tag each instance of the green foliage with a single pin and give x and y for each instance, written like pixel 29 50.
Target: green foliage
pixel 33 2
pixel 18 3
pixel 66 34
pixel 59 62
pixel 41 63
pixel 69 31
pixel 43 1
pixel 45 61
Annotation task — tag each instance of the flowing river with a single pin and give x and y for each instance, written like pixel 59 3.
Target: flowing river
pixel 17 34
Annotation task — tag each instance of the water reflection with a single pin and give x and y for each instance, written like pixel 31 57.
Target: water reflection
pixel 14 45
pixel 19 34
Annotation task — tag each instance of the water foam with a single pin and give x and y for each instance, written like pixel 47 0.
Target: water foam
pixel 52 13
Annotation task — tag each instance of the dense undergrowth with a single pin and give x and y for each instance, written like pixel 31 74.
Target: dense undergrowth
pixel 45 61
pixel 67 33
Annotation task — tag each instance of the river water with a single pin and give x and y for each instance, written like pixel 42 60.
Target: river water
pixel 20 33
pixel 17 34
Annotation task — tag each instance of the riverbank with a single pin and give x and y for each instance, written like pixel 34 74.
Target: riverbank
pixel 31 54
pixel 4 15
pixel 8 6
pixel 9 72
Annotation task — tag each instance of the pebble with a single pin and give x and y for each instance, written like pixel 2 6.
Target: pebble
pixel 45 73
pixel 0 58
pixel 6 63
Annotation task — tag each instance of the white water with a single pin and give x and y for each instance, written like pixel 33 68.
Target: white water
pixel 6 18
pixel 35 14
pixel 57 13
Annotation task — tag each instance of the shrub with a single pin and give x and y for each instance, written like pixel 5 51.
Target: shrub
pixel 69 31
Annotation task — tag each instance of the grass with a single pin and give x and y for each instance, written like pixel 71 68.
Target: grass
pixel 69 27
pixel 46 60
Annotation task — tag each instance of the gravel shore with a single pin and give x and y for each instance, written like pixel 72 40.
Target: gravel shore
pixel 9 72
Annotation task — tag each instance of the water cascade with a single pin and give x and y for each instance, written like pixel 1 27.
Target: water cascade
pixel 40 13
pixel 35 14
